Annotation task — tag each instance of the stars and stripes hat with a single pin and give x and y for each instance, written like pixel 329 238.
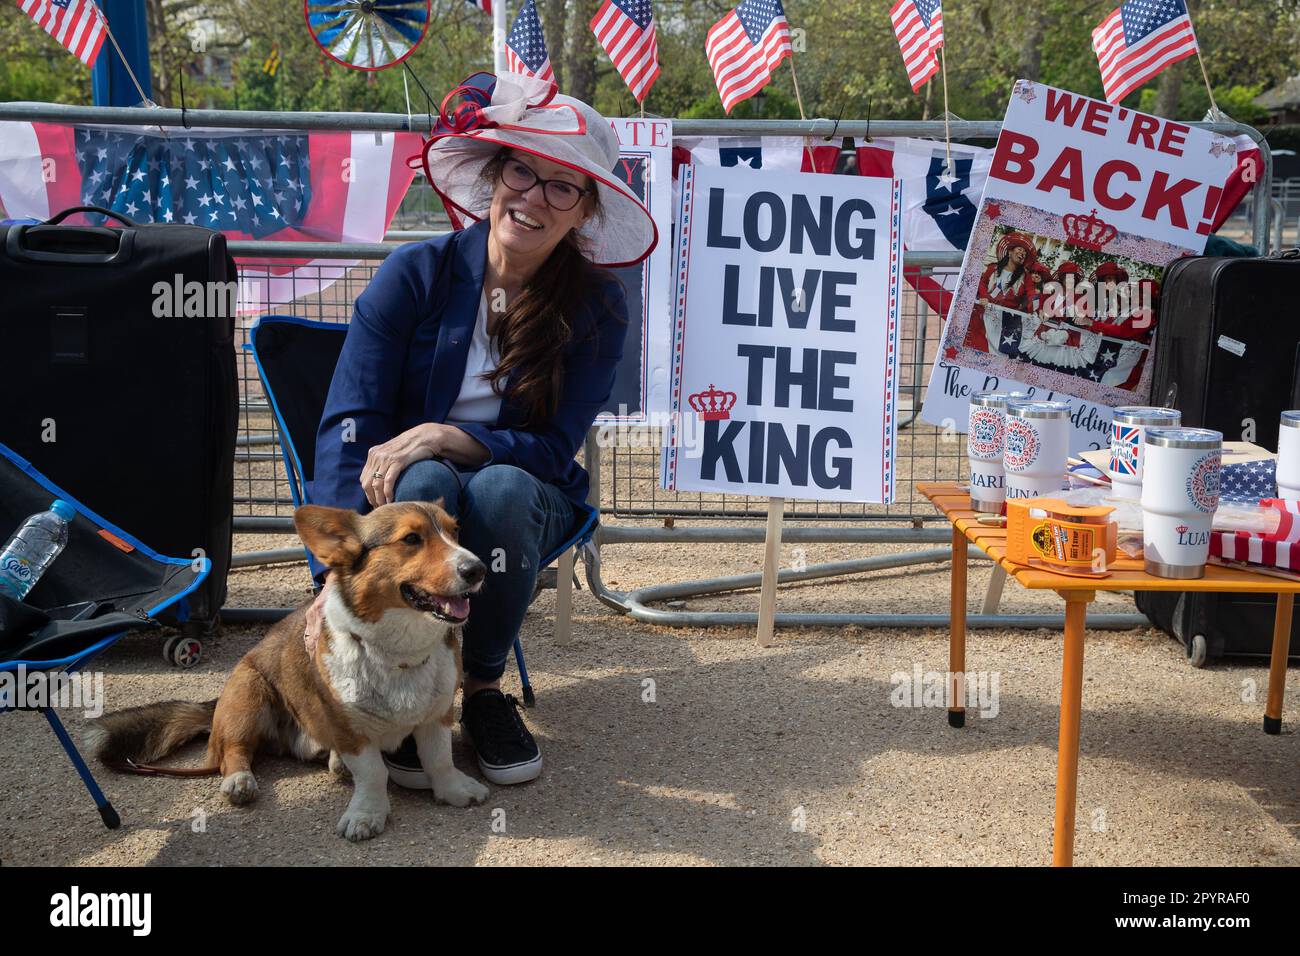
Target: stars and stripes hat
pixel 527 114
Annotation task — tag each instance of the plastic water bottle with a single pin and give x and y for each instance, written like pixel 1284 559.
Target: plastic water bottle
pixel 33 548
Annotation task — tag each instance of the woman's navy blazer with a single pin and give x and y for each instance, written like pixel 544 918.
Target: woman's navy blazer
pixel 404 359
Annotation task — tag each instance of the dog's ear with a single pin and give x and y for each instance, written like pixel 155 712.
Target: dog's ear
pixel 330 533
pixel 443 519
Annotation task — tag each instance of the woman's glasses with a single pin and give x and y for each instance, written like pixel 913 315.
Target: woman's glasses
pixel 559 194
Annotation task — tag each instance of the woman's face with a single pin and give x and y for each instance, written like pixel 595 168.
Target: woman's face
pixel 525 223
pixel 1017 255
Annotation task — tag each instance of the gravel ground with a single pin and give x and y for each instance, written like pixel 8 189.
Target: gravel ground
pixel 683 747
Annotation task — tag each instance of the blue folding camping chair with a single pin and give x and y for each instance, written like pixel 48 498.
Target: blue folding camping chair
pixel 104 584
pixel 295 359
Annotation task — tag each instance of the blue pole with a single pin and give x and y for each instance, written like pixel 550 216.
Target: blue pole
pixel 110 82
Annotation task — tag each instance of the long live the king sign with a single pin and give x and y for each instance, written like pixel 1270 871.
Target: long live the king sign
pixel 785 335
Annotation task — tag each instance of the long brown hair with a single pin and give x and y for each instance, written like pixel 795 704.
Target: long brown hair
pixel 543 320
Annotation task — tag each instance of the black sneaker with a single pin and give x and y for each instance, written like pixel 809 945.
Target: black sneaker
pixel 404 767
pixel 506 750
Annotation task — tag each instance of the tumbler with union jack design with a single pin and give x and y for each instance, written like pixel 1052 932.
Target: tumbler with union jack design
pixel 1127 429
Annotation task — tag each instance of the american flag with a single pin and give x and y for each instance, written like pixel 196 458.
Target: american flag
pixel 626 30
pixel 1248 482
pixel 526 46
pixel 76 24
pixel 745 46
pixel 282 185
pixel 252 185
pixel 918 24
pixel 1138 40
pixel 1016 335
pixel 1280 550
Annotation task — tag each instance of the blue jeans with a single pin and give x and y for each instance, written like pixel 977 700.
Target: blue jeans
pixel 510 520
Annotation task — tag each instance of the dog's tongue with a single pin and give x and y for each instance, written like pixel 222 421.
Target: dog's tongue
pixel 455 607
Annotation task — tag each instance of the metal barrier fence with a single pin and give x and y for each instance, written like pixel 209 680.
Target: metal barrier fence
pixel 624 475
pixel 629 468
pixel 1286 207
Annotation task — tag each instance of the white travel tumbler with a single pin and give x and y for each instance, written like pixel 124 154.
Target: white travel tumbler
pixel 1127 427
pixel 1288 456
pixel 1180 492
pixel 1035 448
pixel 984 433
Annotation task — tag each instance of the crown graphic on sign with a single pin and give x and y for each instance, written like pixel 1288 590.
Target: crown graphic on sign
pixel 1181 529
pixel 713 405
pixel 1089 232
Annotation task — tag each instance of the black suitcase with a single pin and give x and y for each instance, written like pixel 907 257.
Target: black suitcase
pixel 1211 625
pixel 114 393
pixel 1227 350
pixel 1227 343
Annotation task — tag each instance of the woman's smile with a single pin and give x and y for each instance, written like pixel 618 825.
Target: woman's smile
pixel 521 218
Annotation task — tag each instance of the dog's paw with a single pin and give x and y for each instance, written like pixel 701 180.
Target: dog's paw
pixel 337 766
pixel 240 787
pixel 361 824
pixel 459 790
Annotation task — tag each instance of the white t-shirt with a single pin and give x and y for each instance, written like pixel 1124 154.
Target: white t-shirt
pixel 476 401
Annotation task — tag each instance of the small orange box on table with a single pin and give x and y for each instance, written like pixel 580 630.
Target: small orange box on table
pixel 1068 539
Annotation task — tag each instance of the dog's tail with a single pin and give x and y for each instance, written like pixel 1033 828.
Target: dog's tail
pixel 130 740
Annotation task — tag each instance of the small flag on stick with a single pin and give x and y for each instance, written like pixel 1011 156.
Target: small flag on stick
pixel 745 46
pixel 76 24
pixel 626 31
pixel 918 24
pixel 526 45
pixel 1138 40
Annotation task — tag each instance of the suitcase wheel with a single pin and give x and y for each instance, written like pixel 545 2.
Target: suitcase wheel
pixel 183 652
pixel 1198 650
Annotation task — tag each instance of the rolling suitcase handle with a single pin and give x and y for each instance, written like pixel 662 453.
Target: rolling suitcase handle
pixel 84 244
pixel 71 210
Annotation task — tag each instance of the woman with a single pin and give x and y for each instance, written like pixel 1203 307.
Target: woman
pixel 1071 300
pixel 1008 283
pixel 1055 342
pixel 1040 275
pixel 1112 308
pixel 1130 318
pixel 477 361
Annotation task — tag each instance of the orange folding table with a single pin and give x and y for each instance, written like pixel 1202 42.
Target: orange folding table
pixel 1127 574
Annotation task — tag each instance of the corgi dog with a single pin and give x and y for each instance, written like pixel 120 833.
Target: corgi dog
pixel 386 665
